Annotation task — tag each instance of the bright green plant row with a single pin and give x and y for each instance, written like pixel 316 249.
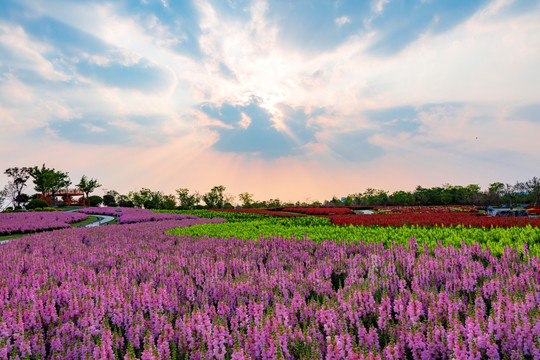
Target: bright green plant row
pixel 495 238
pixel 233 217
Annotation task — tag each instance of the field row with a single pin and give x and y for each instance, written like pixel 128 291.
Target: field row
pixel 20 223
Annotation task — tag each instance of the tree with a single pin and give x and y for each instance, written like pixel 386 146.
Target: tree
pixel 41 179
pixel 59 180
pixel 168 202
pixel 187 201
pixel 215 198
pixel 19 177
pixel 115 194
pixel 473 194
pixel 274 203
pixel 143 198
pixel 402 198
pixel 246 199
pixel 495 191
pixel 228 200
pixel 374 197
pixel 49 180
pixel 125 201
pixel 88 185
pixel 533 187
pixel 509 193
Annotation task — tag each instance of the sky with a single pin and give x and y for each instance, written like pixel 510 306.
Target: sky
pixel 298 100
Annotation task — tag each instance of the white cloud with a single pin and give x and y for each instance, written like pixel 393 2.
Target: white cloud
pixel 123 57
pixel 377 6
pixel 340 21
pixel 93 128
pixel 14 92
pixel 28 54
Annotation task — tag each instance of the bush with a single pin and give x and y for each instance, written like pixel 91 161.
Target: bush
pixel 95 200
pixel 22 199
pixel 108 200
pixel 36 203
pixel 126 203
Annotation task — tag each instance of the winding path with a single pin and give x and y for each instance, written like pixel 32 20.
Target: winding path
pixel 101 220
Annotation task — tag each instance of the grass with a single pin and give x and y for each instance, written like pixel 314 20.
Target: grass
pixel 67 208
pixel 9 237
pixel 83 223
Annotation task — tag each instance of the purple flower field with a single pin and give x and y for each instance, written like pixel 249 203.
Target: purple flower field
pixel 134 215
pixel 37 221
pixel 132 292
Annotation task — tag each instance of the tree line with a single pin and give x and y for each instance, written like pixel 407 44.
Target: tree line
pixel 50 181
pixel 497 194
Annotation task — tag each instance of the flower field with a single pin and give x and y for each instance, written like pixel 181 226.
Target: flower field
pixel 25 222
pixel 133 215
pixel 426 209
pixel 216 289
pixel 434 219
pixel 130 291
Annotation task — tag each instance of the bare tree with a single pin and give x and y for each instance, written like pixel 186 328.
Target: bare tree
pixel 19 177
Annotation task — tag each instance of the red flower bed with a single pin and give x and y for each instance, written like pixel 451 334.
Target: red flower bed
pixel 260 212
pixel 328 210
pixel 432 219
pixel 426 209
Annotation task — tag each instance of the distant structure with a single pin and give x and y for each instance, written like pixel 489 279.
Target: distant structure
pixel 508 212
pixel 68 196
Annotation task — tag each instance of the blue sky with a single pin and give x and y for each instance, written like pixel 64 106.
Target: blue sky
pixel 291 99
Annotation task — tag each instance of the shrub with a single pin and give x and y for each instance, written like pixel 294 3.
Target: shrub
pixel 108 200
pixel 37 203
pixel 95 200
pixel 126 203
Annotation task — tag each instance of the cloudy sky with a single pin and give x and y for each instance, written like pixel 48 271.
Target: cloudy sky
pixel 299 100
